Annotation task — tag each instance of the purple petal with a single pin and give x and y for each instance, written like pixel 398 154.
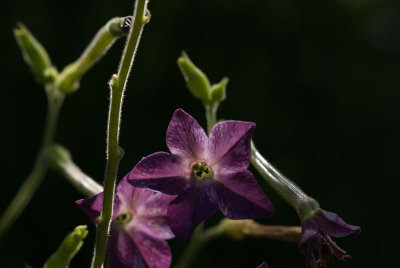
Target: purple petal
pixel 311 245
pixel 155 227
pixel 309 232
pixel 147 203
pixel 230 145
pixel 333 225
pixel 155 252
pixel 263 265
pixel 185 137
pixel 340 253
pixel 92 206
pixel 162 172
pixel 123 252
pixel 188 210
pixel 238 196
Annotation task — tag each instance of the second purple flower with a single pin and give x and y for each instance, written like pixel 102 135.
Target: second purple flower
pixel 207 174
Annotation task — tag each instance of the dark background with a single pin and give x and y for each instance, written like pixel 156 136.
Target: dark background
pixel 320 79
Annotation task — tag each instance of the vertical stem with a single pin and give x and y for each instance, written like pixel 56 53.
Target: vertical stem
pixel 211 115
pixel 114 152
pixel 32 182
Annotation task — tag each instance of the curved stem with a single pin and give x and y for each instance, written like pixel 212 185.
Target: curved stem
pixel 32 182
pixel 199 240
pixel 114 152
pixel 61 160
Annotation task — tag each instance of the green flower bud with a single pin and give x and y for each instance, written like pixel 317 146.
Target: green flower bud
pixel 218 91
pixel 68 248
pixel 69 79
pixel 196 80
pixel 34 55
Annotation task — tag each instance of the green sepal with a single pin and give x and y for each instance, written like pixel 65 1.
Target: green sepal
pixel 68 248
pixel 218 91
pixel 35 55
pixel 196 80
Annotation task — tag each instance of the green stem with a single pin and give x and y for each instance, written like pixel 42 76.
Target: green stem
pixel 292 193
pixel 211 115
pixel 61 160
pixel 199 240
pixel 114 152
pixel 28 188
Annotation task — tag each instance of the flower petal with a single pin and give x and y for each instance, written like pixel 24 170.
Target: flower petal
pixel 92 206
pixel 123 251
pixel 188 210
pixel 229 147
pixel 155 252
pixel 334 225
pixel 148 203
pixel 238 196
pixel 263 265
pixel 309 232
pixel 155 227
pixel 162 172
pixel 185 137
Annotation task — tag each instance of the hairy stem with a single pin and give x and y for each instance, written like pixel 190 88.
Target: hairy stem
pixel 114 152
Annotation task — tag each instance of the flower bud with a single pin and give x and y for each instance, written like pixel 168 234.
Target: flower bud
pixel 69 79
pixel 196 80
pixel 68 248
pixel 218 91
pixel 34 55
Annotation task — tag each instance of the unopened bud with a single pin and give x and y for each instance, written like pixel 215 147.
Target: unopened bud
pixel 34 55
pixel 218 91
pixel 196 80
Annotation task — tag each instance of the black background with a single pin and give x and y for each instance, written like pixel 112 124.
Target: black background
pixel 320 79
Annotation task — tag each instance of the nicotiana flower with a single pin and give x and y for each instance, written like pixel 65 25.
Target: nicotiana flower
pixel 317 229
pixel 207 173
pixel 139 226
pixel 263 265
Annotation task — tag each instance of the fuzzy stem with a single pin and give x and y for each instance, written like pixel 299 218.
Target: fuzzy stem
pixel 32 182
pixel 114 152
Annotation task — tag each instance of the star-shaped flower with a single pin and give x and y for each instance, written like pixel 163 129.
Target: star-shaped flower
pixel 139 226
pixel 317 230
pixel 207 173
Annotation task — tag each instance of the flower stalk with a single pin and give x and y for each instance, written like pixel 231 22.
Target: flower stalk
pixel 114 152
pixel 28 188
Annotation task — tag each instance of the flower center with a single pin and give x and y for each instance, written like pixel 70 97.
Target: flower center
pixel 123 219
pixel 202 171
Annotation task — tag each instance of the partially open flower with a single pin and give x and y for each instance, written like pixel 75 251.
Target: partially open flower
pixel 317 229
pixel 207 174
pixel 139 226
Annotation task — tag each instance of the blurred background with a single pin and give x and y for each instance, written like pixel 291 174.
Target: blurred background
pixel 320 79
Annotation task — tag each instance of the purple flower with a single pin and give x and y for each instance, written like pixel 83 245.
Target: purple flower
pixel 263 265
pixel 207 173
pixel 139 226
pixel 317 230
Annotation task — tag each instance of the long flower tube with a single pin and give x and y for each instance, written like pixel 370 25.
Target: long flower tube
pixel 318 225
